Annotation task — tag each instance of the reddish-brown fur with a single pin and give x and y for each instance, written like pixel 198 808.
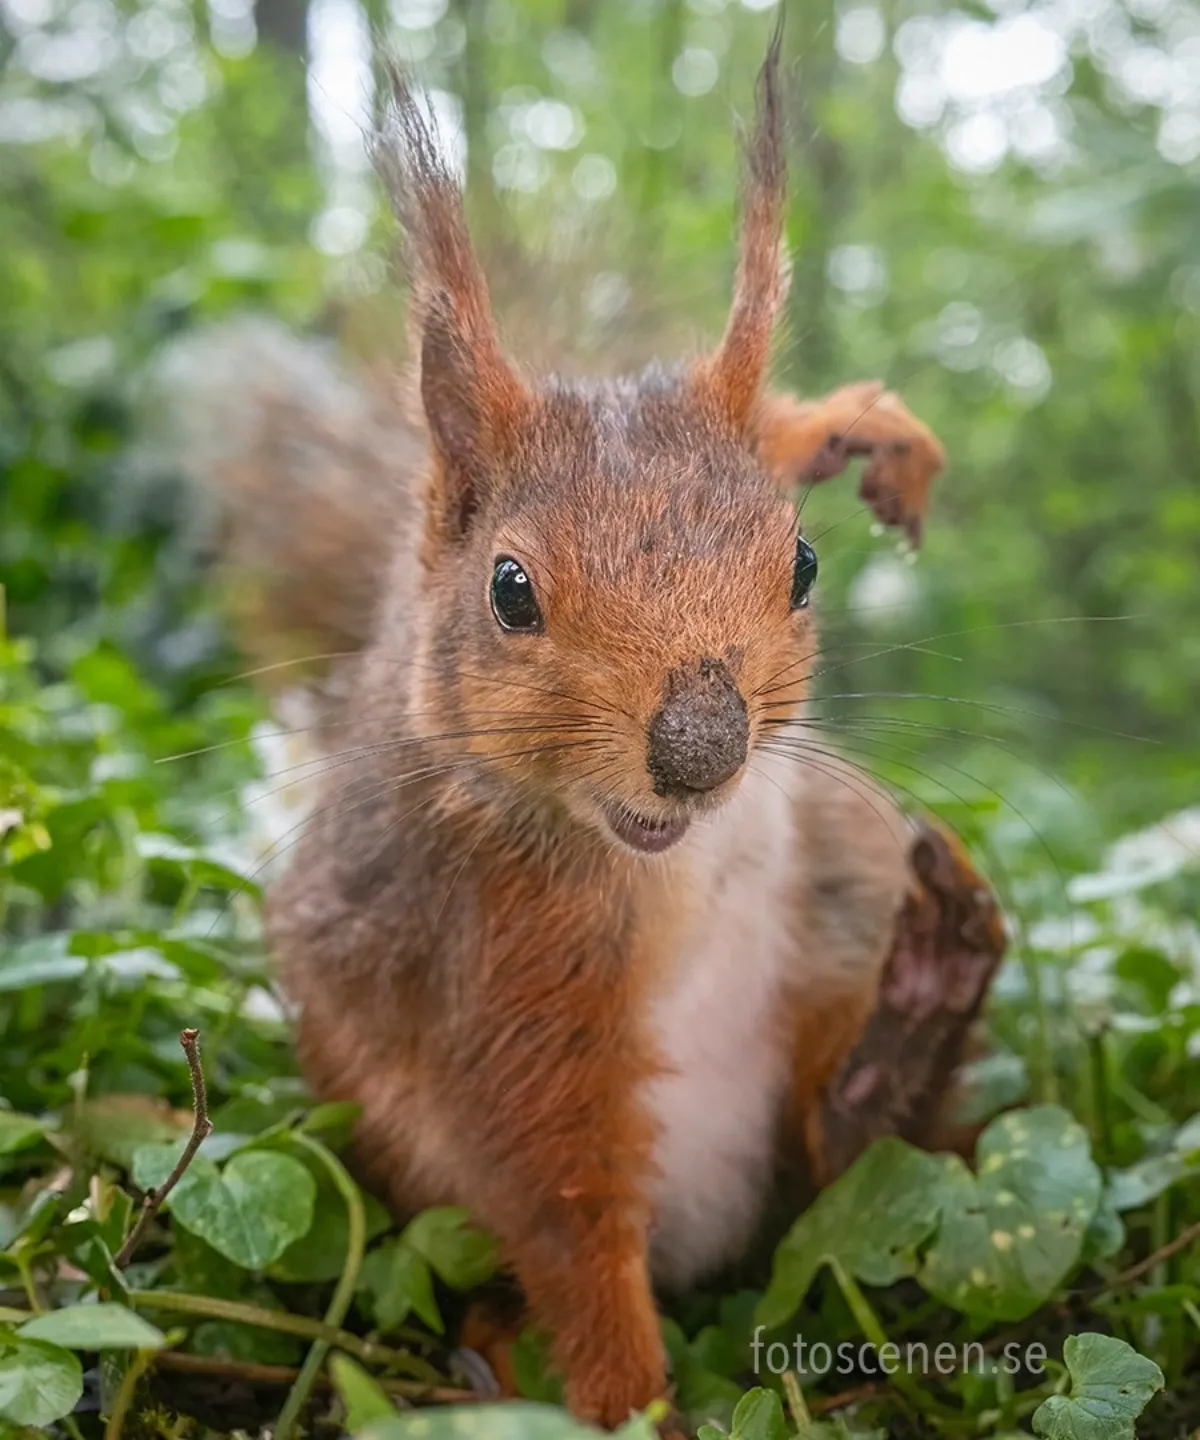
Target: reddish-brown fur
pixel 474 954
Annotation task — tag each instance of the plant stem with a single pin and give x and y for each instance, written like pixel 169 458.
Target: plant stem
pixel 342 1295
pixel 1101 1110
pixel 1047 1076
pixel 796 1404
pixel 28 1281
pixel 868 1323
pixel 129 1383
pixel 210 1308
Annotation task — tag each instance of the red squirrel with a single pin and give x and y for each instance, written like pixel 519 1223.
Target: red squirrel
pixel 596 955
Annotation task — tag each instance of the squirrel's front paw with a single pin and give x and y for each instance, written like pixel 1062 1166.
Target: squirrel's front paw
pixel 810 441
pixel 902 453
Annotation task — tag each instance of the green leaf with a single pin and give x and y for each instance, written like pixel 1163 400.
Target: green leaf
pixel 365 1402
pixel 17 1132
pixel 1111 1384
pixel 115 1127
pixel 43 961
pixel 152 1165
pixel 988 1085
pixel 1105 1234
pixel 83 1243
pixel 332 1123
pixel 1145 1180
pixel 872 1219
pixel 1187 1140
pixel 759 1416
pixel 250 1212
pixel 320 1254
pixel 460 1253
pixel 398 1282
pixel 1012 1232
pixel 533 1367
pixel 105 1326
pixel 39 1382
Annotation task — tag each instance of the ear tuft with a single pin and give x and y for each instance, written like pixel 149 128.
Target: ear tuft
pixel 734 374
pixel 473 399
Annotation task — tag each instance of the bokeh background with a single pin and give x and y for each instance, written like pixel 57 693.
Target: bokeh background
pixel 995 208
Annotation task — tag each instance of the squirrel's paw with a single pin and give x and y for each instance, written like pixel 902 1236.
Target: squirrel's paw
pixel 486 1336
pixel 811 441
pixel 950 935
pixel 947 943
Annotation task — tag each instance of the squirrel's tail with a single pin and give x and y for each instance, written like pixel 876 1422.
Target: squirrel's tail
pixel 305 479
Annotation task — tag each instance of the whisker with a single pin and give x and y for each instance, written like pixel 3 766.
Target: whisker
pixel 857 723
pixel 979 630
pixel 836 771
pixel 320 817
pixel 965 700
pixel 398 715
pixel 861 745
pixel 327 763
pixel 918 646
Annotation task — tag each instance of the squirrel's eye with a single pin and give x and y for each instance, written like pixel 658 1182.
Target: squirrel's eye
pixel 804 576
pixel 513 602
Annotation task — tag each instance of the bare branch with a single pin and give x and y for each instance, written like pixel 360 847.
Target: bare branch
pixel 201 1130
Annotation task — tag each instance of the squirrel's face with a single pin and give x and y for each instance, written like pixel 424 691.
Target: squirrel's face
pixel 615 594
pixel 621 620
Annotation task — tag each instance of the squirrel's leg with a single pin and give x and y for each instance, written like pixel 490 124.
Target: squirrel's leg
pixel 527 1112
pixel 555 1149
pixel 806 441
pixel 897 1072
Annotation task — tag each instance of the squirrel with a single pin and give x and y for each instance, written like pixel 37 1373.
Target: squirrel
pixel 599 954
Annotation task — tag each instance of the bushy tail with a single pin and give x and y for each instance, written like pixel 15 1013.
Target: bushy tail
pixel 306 478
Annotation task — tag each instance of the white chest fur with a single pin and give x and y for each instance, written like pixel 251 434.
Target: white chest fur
pixel 718 1026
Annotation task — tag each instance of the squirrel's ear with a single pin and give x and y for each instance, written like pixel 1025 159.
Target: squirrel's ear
pixel 733 375
pixel 474 401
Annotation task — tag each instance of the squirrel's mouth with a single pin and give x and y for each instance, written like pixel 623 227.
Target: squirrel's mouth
pixel 641 832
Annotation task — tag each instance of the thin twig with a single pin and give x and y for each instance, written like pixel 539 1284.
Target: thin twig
pixel 823 1404
pixel 1164 1252
pixel 201 1130
pixel 256 1374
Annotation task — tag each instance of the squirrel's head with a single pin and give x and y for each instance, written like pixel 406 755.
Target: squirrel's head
pixel 616 591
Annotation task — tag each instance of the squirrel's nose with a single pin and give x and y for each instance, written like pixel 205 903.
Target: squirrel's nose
pixel 699 735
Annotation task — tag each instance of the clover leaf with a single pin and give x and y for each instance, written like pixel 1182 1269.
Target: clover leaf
pixel 1011 1232
pixel 39 1382
pixel 250 1212
pixel 871 1219
pixel 1111 1384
